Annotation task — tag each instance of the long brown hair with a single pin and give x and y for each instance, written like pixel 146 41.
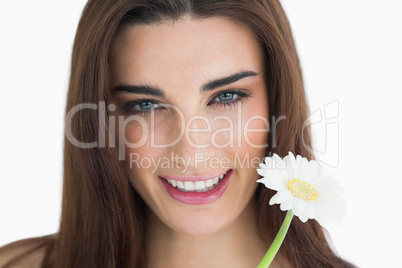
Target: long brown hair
pixel 102 221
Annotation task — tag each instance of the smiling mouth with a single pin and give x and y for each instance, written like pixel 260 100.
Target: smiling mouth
pixel 196 186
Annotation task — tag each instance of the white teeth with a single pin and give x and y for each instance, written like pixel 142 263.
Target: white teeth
pixel 180 184
pixel 198 186
pixel 189 186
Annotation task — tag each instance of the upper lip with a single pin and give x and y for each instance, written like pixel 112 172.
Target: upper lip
pixel 193 178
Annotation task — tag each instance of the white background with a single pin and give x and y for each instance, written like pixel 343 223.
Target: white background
pixel 351 56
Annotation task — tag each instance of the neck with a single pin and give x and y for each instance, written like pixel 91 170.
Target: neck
pixel 237 245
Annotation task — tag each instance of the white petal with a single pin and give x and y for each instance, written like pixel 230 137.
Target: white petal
pixel 268 173
pixel 329 213
pixel 303 218
pixel 275 158
pixel 263 166
pixel 309 211
pixel 267 160
pixel 280 197
pixel 323 180
pixel 329 223
pixel 330 191
pixel 298 207
pixel 287 205
pixel 291 155
pixel 301 164
pixel 290 163
pixel 262 172
pixel 285 173
pixel 311 171
pixel 273 183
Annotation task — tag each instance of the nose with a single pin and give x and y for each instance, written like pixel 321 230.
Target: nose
pixel 194 144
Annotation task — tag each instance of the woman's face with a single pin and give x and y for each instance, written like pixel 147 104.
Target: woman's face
pixel 191 102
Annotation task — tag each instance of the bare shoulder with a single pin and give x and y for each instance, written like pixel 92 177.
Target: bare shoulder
pixel 28 252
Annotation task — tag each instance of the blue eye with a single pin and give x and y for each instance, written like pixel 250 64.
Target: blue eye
pixel 141 106
pixel 227 96
pixel 146 105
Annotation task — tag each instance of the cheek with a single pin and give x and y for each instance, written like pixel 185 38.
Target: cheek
pixel 134 134
pixel 155 130
pixel 141 148
pixel 253 138
pixel 245 129
pixel 255 126
pixel 255 132
pixel 223 132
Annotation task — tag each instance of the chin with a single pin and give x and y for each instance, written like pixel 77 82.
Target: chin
pixel 201 224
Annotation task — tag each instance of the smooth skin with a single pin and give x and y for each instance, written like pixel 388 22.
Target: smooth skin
pixel 178 58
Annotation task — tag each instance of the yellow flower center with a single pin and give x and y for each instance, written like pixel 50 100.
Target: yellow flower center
pixel 302 190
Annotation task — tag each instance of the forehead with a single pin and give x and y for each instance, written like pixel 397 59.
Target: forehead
pixel 192 49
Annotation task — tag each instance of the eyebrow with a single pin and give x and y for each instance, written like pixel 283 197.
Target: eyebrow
pixel 141 89
pixel 156 91
pixel 227 80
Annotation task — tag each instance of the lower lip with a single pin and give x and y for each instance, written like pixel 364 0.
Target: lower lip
pixel 198 198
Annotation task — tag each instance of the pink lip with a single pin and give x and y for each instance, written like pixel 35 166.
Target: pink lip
pixel 197 198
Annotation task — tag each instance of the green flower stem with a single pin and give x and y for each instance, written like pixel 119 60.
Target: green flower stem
pixel 273 249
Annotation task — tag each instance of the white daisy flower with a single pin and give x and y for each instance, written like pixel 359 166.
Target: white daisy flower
pixel 303 188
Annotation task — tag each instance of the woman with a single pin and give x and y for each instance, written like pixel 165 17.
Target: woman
pixel 168 108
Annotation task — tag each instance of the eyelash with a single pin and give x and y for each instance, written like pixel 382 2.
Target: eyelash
pixel 240 97
pixel 129 107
